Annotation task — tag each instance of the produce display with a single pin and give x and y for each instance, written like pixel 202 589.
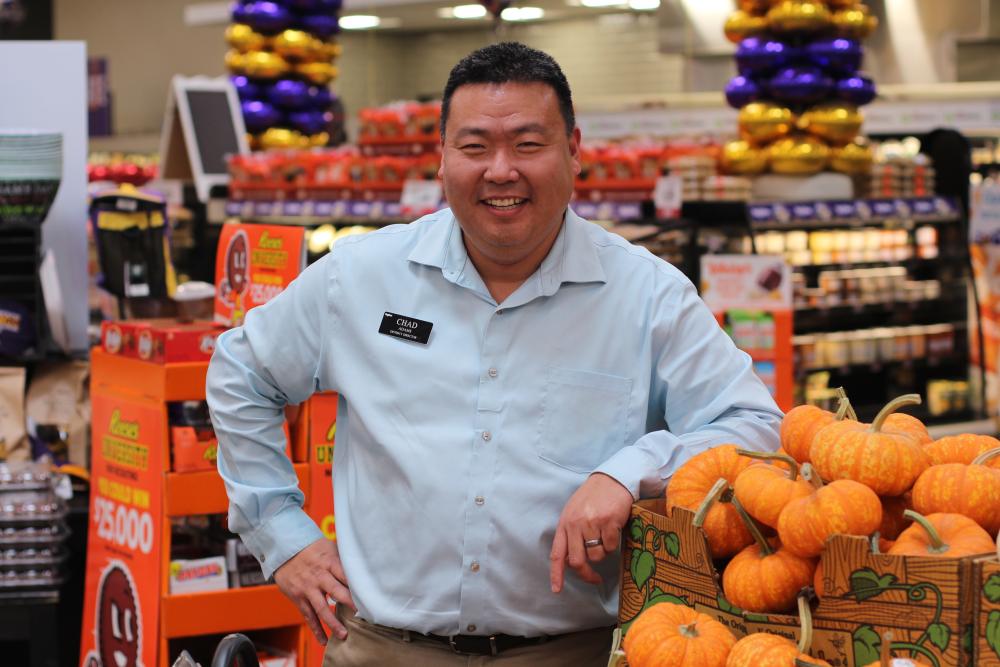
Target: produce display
pixel 799 87
pixel 838 489
pixel 282 62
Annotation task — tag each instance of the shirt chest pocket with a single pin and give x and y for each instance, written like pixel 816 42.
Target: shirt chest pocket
pixel 584 418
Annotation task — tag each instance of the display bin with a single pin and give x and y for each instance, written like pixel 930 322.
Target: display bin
pixel 987 632
pixel 135 495
pixel 928 603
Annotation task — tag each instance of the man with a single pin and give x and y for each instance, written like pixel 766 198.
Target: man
pixel 507 374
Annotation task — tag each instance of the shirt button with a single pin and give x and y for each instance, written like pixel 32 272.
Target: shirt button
pixel 493 372
pixel 471 627
pixel 480 500
pixel 474 566
pixel 487 436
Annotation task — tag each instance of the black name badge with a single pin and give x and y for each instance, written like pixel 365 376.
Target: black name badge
pixel 405 327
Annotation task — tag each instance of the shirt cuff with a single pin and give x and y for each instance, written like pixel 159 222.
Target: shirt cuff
pixel 285 534
pixel 627 467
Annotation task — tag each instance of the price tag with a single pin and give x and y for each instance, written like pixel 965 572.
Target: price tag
pixel 420 197
pixel 667 195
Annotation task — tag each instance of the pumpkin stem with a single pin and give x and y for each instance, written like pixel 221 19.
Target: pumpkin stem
pixel 793 465
pixel 987 456
pixel 885 653
pixel 806 620
pixel 937 544
pixel 809 473
pixel 844 409
pixel 715 494
pixel 690 630
pixel 799 662
pixel 758 537
pixel 892 406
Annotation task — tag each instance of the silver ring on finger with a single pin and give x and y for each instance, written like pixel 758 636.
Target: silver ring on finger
pixel 596 542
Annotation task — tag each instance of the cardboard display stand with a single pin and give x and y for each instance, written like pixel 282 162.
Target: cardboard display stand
pixel 928 603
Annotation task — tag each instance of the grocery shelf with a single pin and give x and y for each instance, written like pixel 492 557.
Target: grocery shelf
pixel 826 319
pixel 915 263
pixel 881 366
pixel 203 492
pixel 232 610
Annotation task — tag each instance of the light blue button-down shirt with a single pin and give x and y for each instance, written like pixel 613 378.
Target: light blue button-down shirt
pixel 454 458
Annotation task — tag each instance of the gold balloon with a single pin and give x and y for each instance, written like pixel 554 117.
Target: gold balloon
pixel 280 137
pixel 319 140
pixel 754 6
pixel 296 44
pixel 856 22
pixel 328 51
pixel 742 157
pixel 855 158
pixel 265 65
pixel 798 155
pixel 318 73
pixel 841 4
pixel 741 24
pixel 798 16
pixel 242 37
pixel 836 122
pixel 763 122
pixel 235 61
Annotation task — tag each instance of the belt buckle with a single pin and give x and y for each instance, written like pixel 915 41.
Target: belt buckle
pixel 467 644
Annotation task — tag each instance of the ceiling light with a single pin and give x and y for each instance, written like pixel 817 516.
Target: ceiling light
pixel 468 11
pixel 601 3
pixel 522 13
pixel 644 5
pixel 359 22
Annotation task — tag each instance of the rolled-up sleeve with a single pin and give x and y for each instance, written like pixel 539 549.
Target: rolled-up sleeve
pixel 706 389
pixel 256 369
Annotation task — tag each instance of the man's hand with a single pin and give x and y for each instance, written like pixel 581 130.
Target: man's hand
pixel 597 510
pixel 308 577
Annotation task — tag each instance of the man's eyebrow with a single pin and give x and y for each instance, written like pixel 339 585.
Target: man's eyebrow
pixel 528 128
pixel 466 132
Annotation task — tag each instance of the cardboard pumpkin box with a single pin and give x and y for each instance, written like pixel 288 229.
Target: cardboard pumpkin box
pixel 987 634
pixel 926 602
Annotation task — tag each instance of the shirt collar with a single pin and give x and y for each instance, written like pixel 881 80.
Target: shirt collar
pixel 573 257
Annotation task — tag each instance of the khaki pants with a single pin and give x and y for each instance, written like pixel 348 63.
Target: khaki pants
pixel 370 645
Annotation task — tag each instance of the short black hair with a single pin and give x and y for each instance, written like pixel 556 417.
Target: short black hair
pixel 510 62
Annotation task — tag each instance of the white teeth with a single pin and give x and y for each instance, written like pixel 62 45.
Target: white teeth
pixel 502 203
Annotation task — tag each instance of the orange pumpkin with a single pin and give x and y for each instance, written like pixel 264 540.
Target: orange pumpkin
pixel 843 507
pixel 962 448
pixel 893 521
pixel 802 422
pixel 886 659
pixel 690 487
pixel 942 535
pixel 972 490
pixel 904 423
pixel 766 650
pixel 887 462
pixel 764 577
pixel 764 489
pixel 672 634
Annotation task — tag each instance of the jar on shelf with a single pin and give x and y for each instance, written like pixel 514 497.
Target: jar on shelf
pixel 862 347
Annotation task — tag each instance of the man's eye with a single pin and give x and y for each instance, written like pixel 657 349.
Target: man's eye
pixel 529 145
pixel 471 147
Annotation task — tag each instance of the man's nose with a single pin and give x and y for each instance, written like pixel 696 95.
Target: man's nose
pixel 501 168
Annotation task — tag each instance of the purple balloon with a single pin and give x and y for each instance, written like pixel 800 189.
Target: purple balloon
pixel 307 122
pixel 742 90
pixel 267 17
pixel 289 94
pixel 238 12
pixel 857 89
pixel 800 85
pixel 756 55
pixel 307 6
pixel 838 55
pixel 258 116
pixel 323 26
pixel 320 97
pixel 245 88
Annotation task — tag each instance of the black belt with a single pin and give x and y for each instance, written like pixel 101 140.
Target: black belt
pixel 480 644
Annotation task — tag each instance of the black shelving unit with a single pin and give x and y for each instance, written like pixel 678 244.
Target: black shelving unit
pixel 20 259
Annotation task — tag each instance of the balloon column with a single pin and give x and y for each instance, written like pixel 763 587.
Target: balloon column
pixel 799 86
pixel 281 59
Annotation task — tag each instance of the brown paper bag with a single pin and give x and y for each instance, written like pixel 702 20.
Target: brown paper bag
pixel 58 396
pixel 14 444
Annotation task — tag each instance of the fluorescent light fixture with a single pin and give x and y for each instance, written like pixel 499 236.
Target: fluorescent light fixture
pixel 601 3
pixel 359 22
pixel 522 13
pixel 644 5
pixel 468 11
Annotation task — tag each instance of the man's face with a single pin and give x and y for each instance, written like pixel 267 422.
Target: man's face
pixel 508 167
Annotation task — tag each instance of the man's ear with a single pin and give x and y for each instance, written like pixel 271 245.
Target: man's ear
pixel 574 149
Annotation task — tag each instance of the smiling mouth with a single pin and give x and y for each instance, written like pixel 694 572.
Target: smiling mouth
pixel 504 203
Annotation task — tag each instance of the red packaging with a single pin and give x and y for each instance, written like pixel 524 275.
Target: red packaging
pixel 193 448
